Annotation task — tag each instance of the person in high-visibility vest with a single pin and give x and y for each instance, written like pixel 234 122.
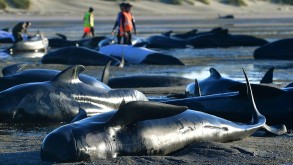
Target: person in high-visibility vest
pixel 88 23
pixel 127 25
pixel 118 21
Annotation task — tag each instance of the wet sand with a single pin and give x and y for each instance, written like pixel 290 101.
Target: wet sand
pixel 20 144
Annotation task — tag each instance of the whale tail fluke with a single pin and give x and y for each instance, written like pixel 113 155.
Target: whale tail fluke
pixel 275 130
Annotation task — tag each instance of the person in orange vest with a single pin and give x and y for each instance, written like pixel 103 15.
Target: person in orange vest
pixel 88 23
pixel 118 21
pixel 127 25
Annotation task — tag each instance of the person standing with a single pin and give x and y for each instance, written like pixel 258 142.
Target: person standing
pixel 88 23
pixel 127 25
pixel 118 21
pixel 19 30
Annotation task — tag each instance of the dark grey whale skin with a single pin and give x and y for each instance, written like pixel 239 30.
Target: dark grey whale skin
pixel 277 50
pixel 216 83
pixel 274 103
pixel 147 80
pixel 60 100
pixel 14 75
pixel 78 56
pixel 144 128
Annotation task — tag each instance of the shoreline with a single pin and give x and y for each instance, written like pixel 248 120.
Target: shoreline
pixel 18 17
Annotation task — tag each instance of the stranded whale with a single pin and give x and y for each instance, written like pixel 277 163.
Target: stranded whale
pixel 78 55
pixel 144 128
pixel 15 75
pixel 139 55
pixel 60 99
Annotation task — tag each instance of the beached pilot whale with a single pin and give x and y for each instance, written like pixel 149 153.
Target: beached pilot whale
pixel 60 99
pixel 279 50
pixel 147 80
pixel 216 83
pixel 78 56
pixel 139 55
pixel 222 38
pixel 275 103
pixel 113 40
pixel 144 128
pixel 184 35
pixel 165 42
pixel 15 75
pixel 62 41
pixel 6 37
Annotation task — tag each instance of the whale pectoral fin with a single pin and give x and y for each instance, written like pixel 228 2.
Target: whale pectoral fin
pixel 81 115
pixel 12 69
pixel 259 91
pixel 275 130
pixel 69 75
pixel 268 77
pixel 135 111
pixel 197 91
pixel 106 73
pixel 214 73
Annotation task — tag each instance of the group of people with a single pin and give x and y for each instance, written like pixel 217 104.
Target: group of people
pixel 125 23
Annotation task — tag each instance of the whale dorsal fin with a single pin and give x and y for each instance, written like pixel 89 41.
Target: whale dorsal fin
pixel 69 75
pixel 214 73
pixel 81 115
pixel 106 72
pixel 268 77
pixel 136 111
pixel 168 33
pixel 12 69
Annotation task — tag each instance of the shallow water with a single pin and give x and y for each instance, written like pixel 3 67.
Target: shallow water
pixel 228 61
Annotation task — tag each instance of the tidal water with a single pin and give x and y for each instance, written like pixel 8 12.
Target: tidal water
pixel 228 61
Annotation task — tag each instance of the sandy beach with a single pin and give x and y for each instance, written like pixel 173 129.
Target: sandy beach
pixel 74 9
pixel 21 145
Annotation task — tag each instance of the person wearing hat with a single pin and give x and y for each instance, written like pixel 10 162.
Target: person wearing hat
pixel 127 25
pixel 88 23
pixel 118 21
